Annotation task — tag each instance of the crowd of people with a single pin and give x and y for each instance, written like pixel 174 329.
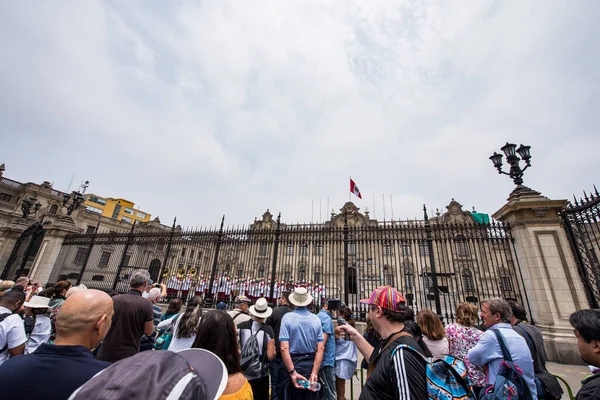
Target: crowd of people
pixel 84 343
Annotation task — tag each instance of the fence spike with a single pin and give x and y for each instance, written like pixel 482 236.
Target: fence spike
pixel 585 196
pixel 596 190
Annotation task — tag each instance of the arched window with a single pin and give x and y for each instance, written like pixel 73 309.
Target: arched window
pixel 409 278
pixel 53 209
pixel 301 273
pixel 261 271
pixel 317 277
pixel 288 273
pixel 467 280
pixel 462 247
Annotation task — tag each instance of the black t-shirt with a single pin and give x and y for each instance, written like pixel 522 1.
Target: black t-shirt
pixel 132 311
pixel 383 383
pixel 274 321
pixel 590 389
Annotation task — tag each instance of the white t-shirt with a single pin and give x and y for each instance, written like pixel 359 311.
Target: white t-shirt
pixel 12 332
pixel 40 334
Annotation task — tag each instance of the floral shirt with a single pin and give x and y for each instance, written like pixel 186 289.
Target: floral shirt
pixel 460 340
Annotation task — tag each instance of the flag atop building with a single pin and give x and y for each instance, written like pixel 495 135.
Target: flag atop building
pixel 354 189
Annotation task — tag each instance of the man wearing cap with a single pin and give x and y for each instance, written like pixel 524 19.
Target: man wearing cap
pixel 240 313
pixel 274 321
pixel 133 318
pixel 387 375
pixel 62 367
pixel 302 347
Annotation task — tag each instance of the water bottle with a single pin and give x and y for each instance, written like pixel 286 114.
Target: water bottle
pixel 314 386
pixel 341 322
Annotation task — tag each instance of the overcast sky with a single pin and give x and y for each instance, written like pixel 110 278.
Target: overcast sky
pixel 203 108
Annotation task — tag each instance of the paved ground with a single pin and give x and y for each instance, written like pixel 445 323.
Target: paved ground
pixel 573 374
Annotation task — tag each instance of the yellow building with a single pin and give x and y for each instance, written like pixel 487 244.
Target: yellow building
pixel 117 209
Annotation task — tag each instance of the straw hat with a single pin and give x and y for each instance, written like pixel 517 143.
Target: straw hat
pixel 300 297
pixel 37 302
pixel 261 309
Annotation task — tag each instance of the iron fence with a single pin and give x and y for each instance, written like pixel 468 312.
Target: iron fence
pixel 435 264
pixel 582 223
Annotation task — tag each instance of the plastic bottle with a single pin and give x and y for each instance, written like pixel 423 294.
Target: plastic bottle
pixel 314 386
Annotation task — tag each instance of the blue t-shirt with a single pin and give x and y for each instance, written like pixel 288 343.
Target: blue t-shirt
pixel 327 324
pixel 302 330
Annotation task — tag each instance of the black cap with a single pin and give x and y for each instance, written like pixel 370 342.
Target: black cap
pixel 188 375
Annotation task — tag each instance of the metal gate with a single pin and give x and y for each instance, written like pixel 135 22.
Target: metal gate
pixel 582 223
pixel 23 254
pixel 436 263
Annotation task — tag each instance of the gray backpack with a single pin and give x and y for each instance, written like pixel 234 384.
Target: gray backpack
pixel 253 364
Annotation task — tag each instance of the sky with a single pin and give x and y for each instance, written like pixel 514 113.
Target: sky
pixel 198 109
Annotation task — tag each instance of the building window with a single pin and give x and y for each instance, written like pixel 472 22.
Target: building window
pixel 126 219
pixel 140 214
pixel 104 259
pixel 423 248
pixel 192 254
pixel 303 248
pixel 406 249
pixel 319 249
pixel 468 282
pixel 128 211
pixel 97 200
pixel 93 209
pixel 81 255
pixel 317 274
pixel 389 279
pixel 116 211
pixel 261 271
pixel 126 260
pixel 462 247
pixel 5 197
pixel 262 250
pixel 506 285
pixel 53 209
pixel 302 273
pixel 409 278
pixel 288 274
pixel 240 272
pixel 90 229
pixel 387 248
pixel 351 245
pixel 183 252
pixel 290 249
pixel 227 269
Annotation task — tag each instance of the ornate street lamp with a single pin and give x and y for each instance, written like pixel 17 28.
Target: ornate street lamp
pixel 27 204
pixel 513 157
pixel 76 199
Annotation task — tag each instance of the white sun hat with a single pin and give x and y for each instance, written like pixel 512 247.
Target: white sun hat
pixel 300 297
pixel 37 302
pixel 261 309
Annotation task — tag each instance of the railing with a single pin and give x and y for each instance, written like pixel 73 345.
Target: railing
pixel 10 182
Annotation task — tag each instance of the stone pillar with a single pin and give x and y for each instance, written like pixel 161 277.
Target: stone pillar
pixel 47 255
pixel 550 275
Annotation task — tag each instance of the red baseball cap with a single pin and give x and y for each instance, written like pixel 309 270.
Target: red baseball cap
pixel 385 297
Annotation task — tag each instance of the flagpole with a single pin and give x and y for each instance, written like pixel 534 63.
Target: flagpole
pixel 350 194
pixel 327 209
pixel 374 212
pixel 392 206
pixel 320 218
pixel 383 201
pixel 312 212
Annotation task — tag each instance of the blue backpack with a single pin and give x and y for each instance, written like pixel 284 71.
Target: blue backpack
pixel 510 384
pixel 447 376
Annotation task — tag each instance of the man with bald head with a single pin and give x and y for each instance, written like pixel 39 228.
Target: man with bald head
pixel 84 319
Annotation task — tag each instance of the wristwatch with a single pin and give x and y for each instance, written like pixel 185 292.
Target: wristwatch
pixel 292 371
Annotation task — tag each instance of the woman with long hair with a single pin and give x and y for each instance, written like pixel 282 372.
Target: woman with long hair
pixel 185 326
pixel 433 332
pixel 346 355
pixel 173 309
pixel 218 334
pixel 462 337
pixel 60 293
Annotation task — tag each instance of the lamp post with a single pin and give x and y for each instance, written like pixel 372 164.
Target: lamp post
pixel 27 204
pixel 515 172
pixel 76 198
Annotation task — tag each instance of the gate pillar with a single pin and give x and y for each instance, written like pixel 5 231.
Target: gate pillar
pixel 549 270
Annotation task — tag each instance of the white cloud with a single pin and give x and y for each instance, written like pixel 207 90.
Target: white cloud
pixel 196 109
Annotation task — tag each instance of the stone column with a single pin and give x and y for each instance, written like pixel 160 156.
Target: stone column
pixel 550 275
pixel 50 248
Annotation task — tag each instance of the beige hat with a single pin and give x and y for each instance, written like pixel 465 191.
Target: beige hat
pixel 37 302
pixel 261 309
pixel 300 297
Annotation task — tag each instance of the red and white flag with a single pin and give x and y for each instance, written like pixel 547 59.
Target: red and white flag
pixel 354 189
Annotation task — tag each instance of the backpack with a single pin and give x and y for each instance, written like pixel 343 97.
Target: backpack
pixel 252 363
pixel 447 376
pixel 2 318
pixel 510 384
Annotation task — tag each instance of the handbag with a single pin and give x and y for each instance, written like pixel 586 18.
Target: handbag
pixel 548 387
pixel 163 341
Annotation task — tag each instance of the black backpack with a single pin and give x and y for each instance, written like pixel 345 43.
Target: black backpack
pixel 254 365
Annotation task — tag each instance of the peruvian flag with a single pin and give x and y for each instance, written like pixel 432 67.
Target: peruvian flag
pixel 354 189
